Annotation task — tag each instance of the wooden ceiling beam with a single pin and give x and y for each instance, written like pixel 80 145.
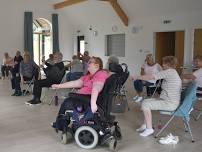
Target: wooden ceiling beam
pixel 67 3
pixel 119 11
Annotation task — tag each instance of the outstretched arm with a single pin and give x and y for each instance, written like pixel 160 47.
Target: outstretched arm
pixel 71 84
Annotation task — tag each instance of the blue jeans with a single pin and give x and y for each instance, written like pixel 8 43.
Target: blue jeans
pixel 139 84
pixel 73 76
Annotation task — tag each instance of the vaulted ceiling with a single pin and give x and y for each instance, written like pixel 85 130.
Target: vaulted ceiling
pixel 94 9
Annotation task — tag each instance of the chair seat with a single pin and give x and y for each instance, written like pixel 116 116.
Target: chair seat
pixel 166 112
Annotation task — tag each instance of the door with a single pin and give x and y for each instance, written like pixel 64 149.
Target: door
pixel 170 44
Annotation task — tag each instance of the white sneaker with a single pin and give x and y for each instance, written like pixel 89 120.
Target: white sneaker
pixel 147 132
pixel 170 139
pixel 135 98
pixel 139 99
pixel 142 128
pixel 168 136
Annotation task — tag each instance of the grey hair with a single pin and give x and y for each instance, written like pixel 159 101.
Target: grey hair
pixel 113 59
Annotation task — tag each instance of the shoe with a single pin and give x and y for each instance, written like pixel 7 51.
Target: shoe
pixel 33 102
pixel 18 94
pixel 135 98
pixel 36 102
pixel 139 99
pixel 53 125
pixel 163 138
pixel 169 139
pixel 147 132
pixel 142 128
pixel 14 94
pixel 29 102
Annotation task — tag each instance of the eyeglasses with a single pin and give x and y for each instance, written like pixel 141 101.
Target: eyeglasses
pixel 89 62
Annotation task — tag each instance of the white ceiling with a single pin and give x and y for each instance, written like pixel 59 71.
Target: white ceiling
pixel 94 9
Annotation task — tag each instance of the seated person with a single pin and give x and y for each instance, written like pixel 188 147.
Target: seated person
pixel 50 60
pixel 15 70
pixel 148 68
pixel 169 98
pixel 196 75
pixel 76 69
pixel 85 58
pixel 111 59
pixel 54 74
pixel 90 84
pixel 7 65
pixel 28 69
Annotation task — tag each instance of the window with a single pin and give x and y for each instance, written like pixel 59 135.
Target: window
pixel 115 45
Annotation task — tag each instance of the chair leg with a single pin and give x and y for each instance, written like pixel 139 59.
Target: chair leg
pixel 199 115
pixel 189 129
pixel 164 126
pixel 53 97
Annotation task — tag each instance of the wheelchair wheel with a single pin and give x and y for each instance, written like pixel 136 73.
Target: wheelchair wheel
pixel 112 144
pixel 66 137
pixel 86 137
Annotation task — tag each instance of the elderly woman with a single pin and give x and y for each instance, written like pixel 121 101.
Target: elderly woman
pixel 54 74
pixel 169 97
pixel 7 65
pixel 148 68
pixel 111 59
pixel 25 73
pixel 90 84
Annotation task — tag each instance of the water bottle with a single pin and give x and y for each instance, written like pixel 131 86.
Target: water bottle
pixel 56 100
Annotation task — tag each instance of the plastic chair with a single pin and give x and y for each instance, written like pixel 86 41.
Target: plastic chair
pixel 199 98
pixel 188 99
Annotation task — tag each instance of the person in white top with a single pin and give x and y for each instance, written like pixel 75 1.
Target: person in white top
pixel 148 68
pixel 8 64
pixel 170 95
pixel 196 75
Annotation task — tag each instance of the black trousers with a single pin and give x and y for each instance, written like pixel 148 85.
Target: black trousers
pixel 39 84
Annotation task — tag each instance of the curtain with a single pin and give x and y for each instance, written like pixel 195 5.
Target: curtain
pixel 28 33
pixel 55 33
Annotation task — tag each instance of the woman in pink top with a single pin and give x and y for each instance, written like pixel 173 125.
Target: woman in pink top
pixel 90 84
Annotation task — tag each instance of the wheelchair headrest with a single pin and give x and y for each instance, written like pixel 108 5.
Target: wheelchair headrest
pixel 116 68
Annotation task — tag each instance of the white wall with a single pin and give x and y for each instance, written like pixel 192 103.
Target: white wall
pixel 139 44
pixel 12 24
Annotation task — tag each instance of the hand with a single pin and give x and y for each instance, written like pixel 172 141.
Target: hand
pixel 55 86
pixel 133 78
pixel 94 108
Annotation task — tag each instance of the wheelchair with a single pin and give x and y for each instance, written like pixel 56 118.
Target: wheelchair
pixel 89 129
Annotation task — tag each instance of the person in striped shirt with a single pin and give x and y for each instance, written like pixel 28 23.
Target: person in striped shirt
pixel 170 95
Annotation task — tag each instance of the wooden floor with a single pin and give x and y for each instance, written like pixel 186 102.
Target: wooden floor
pixel 27 129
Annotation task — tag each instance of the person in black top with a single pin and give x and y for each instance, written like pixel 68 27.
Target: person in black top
pixel 15 73
pixel 54 74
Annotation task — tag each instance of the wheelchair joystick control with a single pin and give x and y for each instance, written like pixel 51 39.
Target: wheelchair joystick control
pixel 56 100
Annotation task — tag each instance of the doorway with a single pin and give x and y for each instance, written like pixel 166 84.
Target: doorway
pixel 197 42
pixel 80 44
pixel 42 39
pixel 170 44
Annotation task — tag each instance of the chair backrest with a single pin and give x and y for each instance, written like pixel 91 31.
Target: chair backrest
pixel 188 98
pixel 123 74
